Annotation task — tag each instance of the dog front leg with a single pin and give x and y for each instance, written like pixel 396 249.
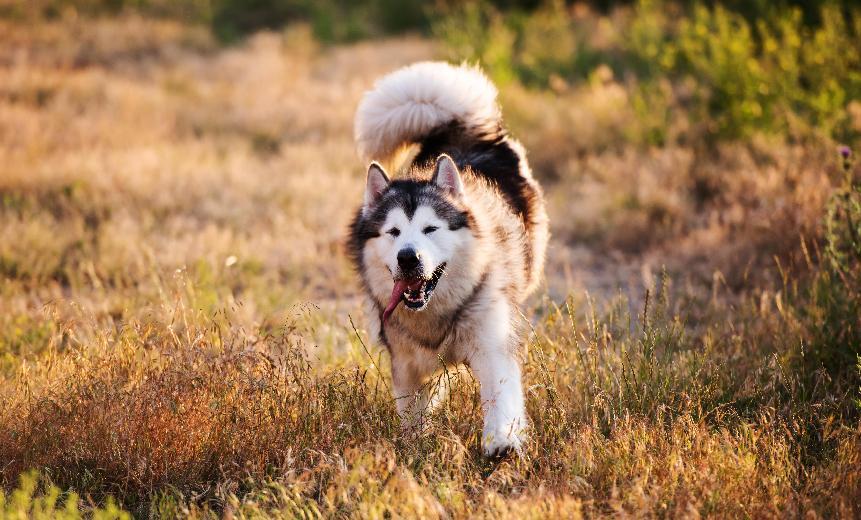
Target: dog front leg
pixel 413 395
pixel 498 372
pixel 502 401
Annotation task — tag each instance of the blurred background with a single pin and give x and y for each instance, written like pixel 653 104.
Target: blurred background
pixel 213 138
pixel 176 179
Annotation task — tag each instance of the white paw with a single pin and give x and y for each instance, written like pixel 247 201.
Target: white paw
pixel 500 441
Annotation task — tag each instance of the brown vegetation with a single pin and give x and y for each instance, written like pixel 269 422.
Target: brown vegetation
pixel 168 208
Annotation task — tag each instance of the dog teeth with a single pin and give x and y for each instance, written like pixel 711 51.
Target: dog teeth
pixel 418 298
pixel 415 296
pixel 419 295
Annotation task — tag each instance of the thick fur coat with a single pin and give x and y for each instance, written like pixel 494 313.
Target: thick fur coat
pixel 448 253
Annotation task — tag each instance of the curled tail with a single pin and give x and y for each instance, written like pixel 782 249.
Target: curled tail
pixel 410 103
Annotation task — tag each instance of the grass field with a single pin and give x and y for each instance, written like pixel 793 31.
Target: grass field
pixel 180 332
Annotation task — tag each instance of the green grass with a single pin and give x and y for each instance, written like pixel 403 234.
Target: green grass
pixel 29 501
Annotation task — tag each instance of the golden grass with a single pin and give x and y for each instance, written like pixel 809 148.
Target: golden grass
pixel 175 303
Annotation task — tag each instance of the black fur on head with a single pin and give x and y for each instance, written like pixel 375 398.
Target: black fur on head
pixel 408 194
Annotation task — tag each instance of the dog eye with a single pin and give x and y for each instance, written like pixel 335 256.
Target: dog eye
pixel 394 231
pixel 430 229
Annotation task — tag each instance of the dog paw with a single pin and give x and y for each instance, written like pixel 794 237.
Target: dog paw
pixel 499 453
pixel 497 444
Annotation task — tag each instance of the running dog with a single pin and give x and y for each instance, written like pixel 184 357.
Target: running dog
pixel 448 251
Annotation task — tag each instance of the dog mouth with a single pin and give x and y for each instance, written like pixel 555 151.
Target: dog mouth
pixel 414 292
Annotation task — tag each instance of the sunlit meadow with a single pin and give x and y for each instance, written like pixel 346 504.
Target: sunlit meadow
pixel 180 330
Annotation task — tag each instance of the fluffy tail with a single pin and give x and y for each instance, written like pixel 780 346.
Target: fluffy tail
pixel 412 102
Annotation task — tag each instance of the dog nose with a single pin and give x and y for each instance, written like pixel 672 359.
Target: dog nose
pixel 408 259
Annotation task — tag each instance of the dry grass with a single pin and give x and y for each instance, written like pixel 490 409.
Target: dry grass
pixel 168 207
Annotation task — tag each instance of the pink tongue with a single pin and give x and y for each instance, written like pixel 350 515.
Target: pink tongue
pixel 397 292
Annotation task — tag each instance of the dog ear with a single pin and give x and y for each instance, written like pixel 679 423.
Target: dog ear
pixel 447 176
pixel 377 183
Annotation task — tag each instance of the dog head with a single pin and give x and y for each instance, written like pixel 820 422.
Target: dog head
pixel 410 233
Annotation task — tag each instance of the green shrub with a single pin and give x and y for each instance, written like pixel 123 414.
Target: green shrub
pixel 27 502
pixel 719 49
pixel 778 74
pixel 738 71
pixel 824 308
pixel 476 32
pixel 332 20
pixel 188 10
pixel 756 77
pixel 837 289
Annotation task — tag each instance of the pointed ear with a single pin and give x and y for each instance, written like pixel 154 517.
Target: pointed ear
pixel 447 176
pixel 377 183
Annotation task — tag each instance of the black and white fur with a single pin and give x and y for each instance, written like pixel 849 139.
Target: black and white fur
pixel 466 227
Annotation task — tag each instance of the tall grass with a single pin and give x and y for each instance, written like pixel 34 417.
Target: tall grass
pixel 627 414
pixel 165 203
pixel 27 502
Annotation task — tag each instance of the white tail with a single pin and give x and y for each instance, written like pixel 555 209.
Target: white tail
pixel 411 102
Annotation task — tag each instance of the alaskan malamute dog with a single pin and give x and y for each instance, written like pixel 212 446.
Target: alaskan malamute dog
pixel 448 252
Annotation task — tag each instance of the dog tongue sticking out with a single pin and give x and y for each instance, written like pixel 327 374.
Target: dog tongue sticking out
pixel 397 293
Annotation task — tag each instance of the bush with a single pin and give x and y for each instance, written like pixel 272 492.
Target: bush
pixel 26 502
pixel 836 291
pixel 189 10
pixel 758 77
pixel 735 75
